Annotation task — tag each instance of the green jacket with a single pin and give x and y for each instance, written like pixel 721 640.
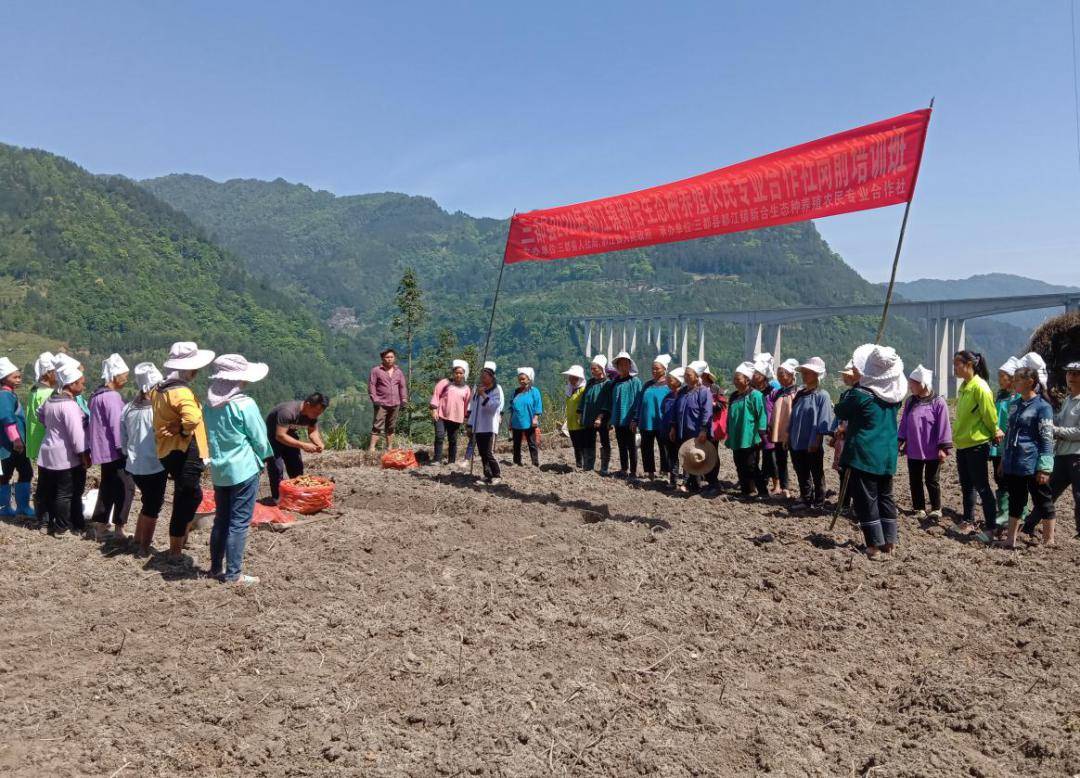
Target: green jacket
pixel 573 409
pixel 1003 404
pixel 35 430
pixel 976 414
pixel 596 403
pixel 870 438
pixel 746 420
pixel 625 393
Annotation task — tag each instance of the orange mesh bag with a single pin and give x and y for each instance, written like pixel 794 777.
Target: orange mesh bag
pixel 307 494
pixel 266 514
pixel 399 459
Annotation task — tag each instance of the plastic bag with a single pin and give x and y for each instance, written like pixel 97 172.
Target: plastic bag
pixel 264 514
pixel 399 459
pixel 307 494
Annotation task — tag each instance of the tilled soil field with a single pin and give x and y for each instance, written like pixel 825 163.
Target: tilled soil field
pixel 560 623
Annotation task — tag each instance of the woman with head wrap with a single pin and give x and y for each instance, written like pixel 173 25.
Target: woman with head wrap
pixel 1027 456
pixel 747 426
pixel 925 436
pixel 1003 402
pixel 116 488
pixel 13 444
pixel 647 415
pixel 64 454
pixel 449 409
pixel 718 420
pixel 63 360
pixel 870 449
pixel 778 412
pixel 44 380
pixel 976 429
pixel 239 445
pixel 575 390
pixel 596 415
pixel 625 394
pixel 139 446
pixel 1067 442
pixel 811 421
pixel 526 406
pixel 664 425
pixel 484 417
pixel 691 417
pixel 181 438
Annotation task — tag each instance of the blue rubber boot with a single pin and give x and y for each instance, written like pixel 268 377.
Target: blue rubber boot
pixel 5 502
pixel 23 506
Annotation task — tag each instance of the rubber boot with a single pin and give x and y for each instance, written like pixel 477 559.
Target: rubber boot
pixel 5 502
pixel 1002 509
pixel 23 506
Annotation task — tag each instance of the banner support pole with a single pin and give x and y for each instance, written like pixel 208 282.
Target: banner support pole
pixel 491 321
pixel 880 330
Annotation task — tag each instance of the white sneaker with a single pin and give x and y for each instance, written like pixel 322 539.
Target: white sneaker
pixel 245 580
pixel 934 514
pixel 920 514
pixel 495 481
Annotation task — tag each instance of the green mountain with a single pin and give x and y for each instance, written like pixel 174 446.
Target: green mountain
pixel 345 255
pixel 102 265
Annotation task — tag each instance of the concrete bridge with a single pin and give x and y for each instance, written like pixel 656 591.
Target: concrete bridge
pixel 943 322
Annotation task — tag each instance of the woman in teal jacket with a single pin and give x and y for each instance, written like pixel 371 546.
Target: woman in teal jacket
pixel 525 408
pixel 236 432
pixel 625 396
pixel 595 412
pixel 647 415
pixel 747 424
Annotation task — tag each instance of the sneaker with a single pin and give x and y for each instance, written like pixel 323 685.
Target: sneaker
pixel 244 580
pixel 920 514
pixel 935 514
pixel 495 482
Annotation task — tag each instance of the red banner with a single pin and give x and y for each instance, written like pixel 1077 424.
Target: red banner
pixel 868 167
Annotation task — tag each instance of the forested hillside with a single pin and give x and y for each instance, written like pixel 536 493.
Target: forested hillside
pixel 101 264
pixel 349 252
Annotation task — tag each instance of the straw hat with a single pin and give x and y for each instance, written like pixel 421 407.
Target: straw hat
pixel 185 355
pixel 881 371
pixel 235 367
pixel 575 371
pixel 698 458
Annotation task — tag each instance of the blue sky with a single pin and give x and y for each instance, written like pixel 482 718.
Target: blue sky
pixel 489 107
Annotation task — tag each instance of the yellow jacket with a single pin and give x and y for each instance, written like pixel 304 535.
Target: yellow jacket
pixel 177 417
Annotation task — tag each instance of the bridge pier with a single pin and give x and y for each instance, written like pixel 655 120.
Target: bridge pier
pixel 752 340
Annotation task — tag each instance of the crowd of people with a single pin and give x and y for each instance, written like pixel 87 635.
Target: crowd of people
pixel 165 432
pixel 778 418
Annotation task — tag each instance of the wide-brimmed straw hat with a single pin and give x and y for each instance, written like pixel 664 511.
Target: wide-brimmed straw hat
pixel 698 458
pixel 185 355
pixel 881 371
pixel 235 367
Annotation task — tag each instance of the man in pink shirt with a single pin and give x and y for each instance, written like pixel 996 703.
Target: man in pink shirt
pixel 386 388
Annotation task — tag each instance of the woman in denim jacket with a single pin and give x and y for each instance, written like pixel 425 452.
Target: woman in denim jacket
pixel 1027 456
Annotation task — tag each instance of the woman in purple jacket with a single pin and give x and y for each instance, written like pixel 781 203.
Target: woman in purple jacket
pixel 64 454
pixel 691 417
pixel 925 435
pixel 106 451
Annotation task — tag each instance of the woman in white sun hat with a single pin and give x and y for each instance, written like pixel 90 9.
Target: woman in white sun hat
pixel 450 410
pixel 140 453
pixel 647 414
pixel 181 437
pixel 575 390
pixel 239 447
pixel 811 420
pixel 625 394
pixel 596 415
pixel 870 449
pixel 116 488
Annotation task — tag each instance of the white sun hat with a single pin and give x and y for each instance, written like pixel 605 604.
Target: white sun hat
pixel 1010 366
pixel 575 371
pixel 7 367
pixel 1036 363
pixel 663 359
pixel 626 355
pixel 185 355
pixel 747 369
pixel 790 365
pixel 147 376
pixel 462 364
pixel 923 376
pixel 235 367
pixel 679 374
pixel 817 364
pixel 881 371
pixel 44 365
pixel 600 360
pixel 112 367
pixel 528 372
pixel 68 374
